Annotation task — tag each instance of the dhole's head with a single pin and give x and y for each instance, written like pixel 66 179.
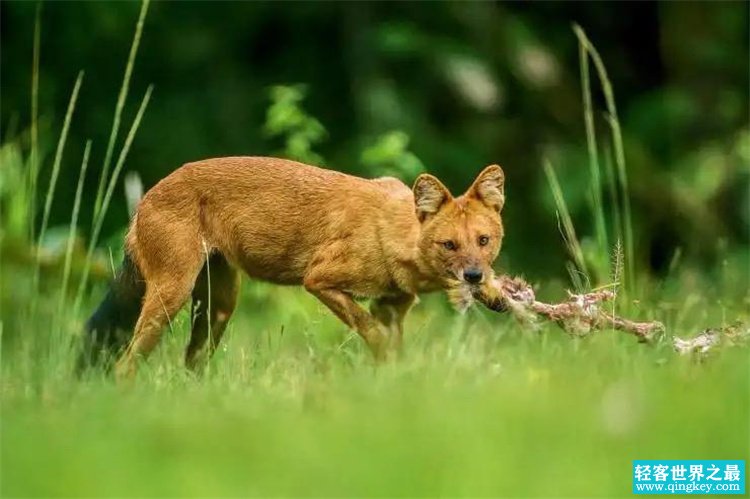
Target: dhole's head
pixel 460 237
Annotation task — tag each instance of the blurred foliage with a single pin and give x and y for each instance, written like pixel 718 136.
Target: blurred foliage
pixel 286 118
pixel 398 87
pixel 13 193
pixel 15 247
pixel 389 155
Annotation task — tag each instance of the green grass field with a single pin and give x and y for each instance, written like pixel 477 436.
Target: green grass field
pixel 292 405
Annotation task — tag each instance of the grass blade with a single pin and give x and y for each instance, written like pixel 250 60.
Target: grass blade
pixel 596 184
pixel 625 196
pixel 619 150
pixel 108 197
pixel 617 266
pixel 611 182
pixel 55 173
pixel 567 229
pixel 208 307
pixel 34 174
pixel 121 98
pixel 73 227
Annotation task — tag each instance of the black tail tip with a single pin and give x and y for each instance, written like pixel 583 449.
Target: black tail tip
pixel 102 343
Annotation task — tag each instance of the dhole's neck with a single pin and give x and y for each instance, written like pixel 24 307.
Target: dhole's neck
pixel 424 278
pixel 411 272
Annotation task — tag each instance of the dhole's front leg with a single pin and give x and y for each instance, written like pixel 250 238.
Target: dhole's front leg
pixel 391 311
pixel 343 305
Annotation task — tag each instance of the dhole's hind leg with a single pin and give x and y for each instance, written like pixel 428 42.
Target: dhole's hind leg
pixel 163 299
pixel 169 262
pixel 215 297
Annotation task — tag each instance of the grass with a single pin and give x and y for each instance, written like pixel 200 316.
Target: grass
pixel 73 227
pixel 293 406
pixel 99 221
pixel 56 166
pixel 593 153
pixel 596 266
pixel 34 127
pixel 122 97
pixel 577 269
pixel 625 232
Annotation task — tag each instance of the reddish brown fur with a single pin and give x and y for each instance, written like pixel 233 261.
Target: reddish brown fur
pixel 289 223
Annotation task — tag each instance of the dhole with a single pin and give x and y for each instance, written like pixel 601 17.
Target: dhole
pixel 340 236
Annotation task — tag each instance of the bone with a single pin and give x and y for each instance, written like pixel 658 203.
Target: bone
pixel 579 315
pixel 736 334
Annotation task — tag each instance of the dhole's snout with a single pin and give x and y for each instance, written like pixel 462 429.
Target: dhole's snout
pixel 473 275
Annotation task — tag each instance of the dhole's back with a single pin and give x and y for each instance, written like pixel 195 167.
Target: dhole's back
pixel 269 216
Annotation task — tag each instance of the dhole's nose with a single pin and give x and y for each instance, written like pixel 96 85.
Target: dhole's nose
pixel 473 275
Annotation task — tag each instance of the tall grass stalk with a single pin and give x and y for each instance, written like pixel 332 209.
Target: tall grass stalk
pixel 119 106
pixel 567 229
pixel 625 196
pixel 609 170
pixel 73 227
pixel 579 279
pixel 596 183
pixel 112 263
pixel 99 220
pixel 619 151
pixel 208 306
pixel 34 173
pixel 55 173
pixel 617 268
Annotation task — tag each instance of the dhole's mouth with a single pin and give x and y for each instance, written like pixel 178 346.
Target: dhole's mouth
pixel 453 279
pixel 460 296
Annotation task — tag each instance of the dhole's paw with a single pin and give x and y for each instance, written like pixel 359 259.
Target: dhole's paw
pixel 380 341
pixel 125 370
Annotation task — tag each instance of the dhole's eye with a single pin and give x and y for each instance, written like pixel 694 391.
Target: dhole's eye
pixel 449 245
pixel 483 240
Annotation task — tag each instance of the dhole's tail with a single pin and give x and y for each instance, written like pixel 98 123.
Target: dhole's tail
pixel 110 327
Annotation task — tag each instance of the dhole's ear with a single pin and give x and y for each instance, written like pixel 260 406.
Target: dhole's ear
pixel 429 195
pixel 489 187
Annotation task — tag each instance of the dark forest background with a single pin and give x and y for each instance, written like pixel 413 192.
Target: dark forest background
pixel 467 83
